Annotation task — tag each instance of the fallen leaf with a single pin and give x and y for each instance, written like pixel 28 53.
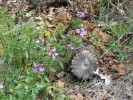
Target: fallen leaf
pixel 61 74
pixel 115 76
pixel 63 17
pixel 51 76
pixel 89 26
pixel 105 37
pixel 79 96
pixel 60 83
pixel 119 68
pixel 72 97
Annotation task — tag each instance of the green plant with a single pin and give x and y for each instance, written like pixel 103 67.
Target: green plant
pixel 31 56
pixel 115 45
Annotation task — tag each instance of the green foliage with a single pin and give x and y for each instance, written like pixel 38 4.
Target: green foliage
pixel 20 80
pixel 115 45
pixel 77 23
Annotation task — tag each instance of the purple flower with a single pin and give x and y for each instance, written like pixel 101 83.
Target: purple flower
pixel 53 53
pixel 80 14
pixel 70 46
pixel 38 67
pixel 81 31
pixel 1 86
pixel 40 39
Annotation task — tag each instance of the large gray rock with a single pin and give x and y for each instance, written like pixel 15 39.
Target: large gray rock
pixel 84 65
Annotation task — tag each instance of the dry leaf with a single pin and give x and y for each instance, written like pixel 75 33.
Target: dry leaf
pixel 100 36
pixel 63 17
pixel 115 76
pixel 79 96
pixel 86 24
pixel 51 76
pixel 89 26
pixel 119 68
pixel 60 83
pixel 61 74
pixel 105 37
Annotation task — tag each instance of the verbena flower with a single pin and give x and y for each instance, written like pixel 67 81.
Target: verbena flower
pixel 53 53
pixel 38 67
pixel 81 31
pixel 40 39
pixel 80 14
pixel 70 46
pixel 1 86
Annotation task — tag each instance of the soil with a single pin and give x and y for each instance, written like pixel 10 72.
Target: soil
pixel 95 89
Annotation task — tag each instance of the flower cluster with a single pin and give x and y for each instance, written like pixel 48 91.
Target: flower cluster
pixel 81 31
pixel 38 67
pixel 80 14
pixel 52 53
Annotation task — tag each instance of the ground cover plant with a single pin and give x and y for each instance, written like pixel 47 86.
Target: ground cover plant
pixel 32 58
pixel 37 46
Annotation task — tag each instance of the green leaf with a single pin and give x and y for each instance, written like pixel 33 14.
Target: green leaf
pixel 60 27
pixel 52 69
pixel 26 87
pixel 18 86
pixel 46 78
pixel 61 65
pixel 1 61
pixel 47 34
pixel 39 85
pixel 77 23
